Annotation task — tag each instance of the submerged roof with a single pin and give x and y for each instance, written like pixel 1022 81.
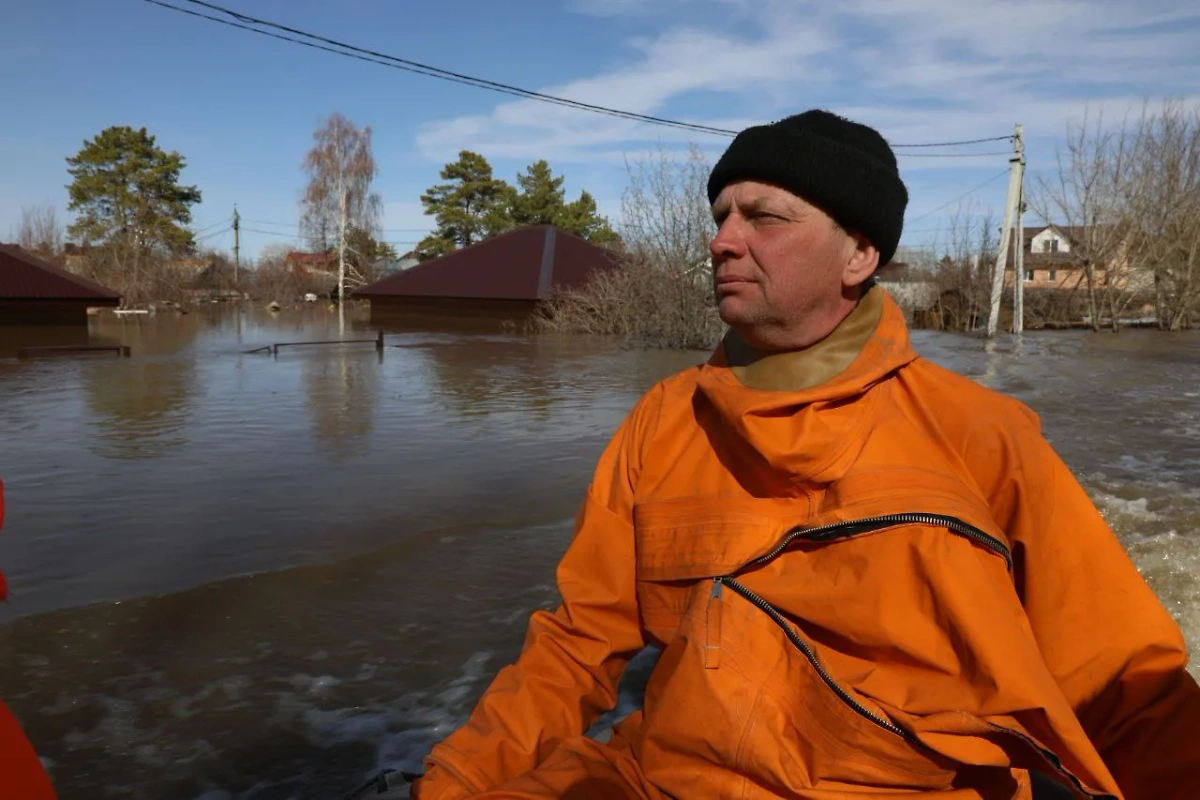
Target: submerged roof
pixel 24 276
pixel 523 264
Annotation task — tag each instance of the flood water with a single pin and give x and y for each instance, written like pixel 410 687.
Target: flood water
pixel 260 577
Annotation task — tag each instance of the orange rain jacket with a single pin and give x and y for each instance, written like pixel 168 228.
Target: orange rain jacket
pixel 21 772
pixel 885 583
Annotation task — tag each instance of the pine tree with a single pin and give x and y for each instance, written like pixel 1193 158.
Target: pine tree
pixel 581 218
pixel 126 192
pixel 541 199
pixel 471 207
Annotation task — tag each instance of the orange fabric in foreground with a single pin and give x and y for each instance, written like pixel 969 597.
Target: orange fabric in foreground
pixel 956 652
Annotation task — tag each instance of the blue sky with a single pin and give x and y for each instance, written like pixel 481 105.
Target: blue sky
pixel 241 107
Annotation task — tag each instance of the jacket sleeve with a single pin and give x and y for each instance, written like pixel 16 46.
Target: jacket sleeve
pixel 573 658
pixel 1117 653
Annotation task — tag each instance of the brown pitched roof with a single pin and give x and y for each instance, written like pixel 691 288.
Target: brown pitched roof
pixel 523 264
pixel 24 276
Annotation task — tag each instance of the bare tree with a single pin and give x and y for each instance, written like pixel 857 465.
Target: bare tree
pixel 1163 210
pixel 964 268
pixel 274 254
pixel 665 215
pixel 1089 195
pixel 339 197
pixel 39 230
pixel 274 281
pixel 662 295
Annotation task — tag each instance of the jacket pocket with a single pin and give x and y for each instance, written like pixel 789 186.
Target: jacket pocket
pixel 683 543
pixel 809 729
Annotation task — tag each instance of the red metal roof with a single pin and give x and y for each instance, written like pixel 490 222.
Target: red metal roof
pixel 24 276
pixel 523 264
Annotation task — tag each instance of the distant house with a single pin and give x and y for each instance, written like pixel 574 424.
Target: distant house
pixel 505 276
pixel 34 291
pixel 1051 258
pixel 319 267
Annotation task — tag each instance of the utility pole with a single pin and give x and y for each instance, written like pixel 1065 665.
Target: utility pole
pixel 1019 253
pixel 236 249
pixel 1011 204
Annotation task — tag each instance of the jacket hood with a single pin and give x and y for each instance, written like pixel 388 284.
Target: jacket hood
pixel 802 416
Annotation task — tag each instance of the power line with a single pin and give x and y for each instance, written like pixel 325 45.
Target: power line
pixel 427 70
pixel 267 222
pixel 995 177
pixel 210 227
pixel 212 235
pixel 297 225
pixel 300 237
pixel 955 155
pixel 247 23
pixel 953 144
pixel 273 233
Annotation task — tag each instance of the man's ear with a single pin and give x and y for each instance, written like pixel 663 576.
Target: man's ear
pixel 863 261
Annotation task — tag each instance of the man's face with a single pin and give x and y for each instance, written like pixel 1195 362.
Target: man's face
pixel 784 273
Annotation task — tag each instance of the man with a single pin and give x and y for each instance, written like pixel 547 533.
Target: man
pixel 867 575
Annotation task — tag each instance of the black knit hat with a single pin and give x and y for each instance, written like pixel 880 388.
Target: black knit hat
pixel 844 167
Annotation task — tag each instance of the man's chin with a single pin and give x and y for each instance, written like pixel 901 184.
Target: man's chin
pixel 733 312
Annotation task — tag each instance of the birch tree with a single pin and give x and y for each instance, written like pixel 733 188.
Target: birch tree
pixel 338 199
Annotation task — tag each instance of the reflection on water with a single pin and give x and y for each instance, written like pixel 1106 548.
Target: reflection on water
pixel 263 577
pixel 342 386
pixel 487 377
pixel 140 409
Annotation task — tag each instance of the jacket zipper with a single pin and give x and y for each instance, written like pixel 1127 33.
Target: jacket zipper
pixel 862 710
pixel 803 647
pixel 838 530
pixel 845 529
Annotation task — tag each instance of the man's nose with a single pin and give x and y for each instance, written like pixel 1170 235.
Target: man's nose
pixel 728 242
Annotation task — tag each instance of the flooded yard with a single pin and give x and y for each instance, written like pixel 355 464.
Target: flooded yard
pixel 256 576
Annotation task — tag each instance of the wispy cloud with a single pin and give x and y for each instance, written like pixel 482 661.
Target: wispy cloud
pixel 664 70
pixel 920 69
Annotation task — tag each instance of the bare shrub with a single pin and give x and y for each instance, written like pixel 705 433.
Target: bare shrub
pixel 274 281
pixel 661 296
pixel 963 272
pixel 39 230
pixel 640 304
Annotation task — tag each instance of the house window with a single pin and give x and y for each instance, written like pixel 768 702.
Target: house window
pixel 1053 275
pixel 1028 274
pixel 1050 245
